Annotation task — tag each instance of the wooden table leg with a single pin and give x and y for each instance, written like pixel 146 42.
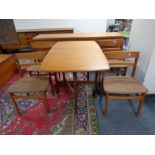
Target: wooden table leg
pixel 95 85
pixel 50 80
pixel 87 76
pixel 64 77
pixel 56 78
pixel 75 90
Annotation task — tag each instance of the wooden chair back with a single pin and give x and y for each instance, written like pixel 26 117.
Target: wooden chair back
pixel 126 56
pixel 36 56
pixel 28 59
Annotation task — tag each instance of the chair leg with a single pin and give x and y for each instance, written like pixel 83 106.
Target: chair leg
pixel 64 77
pixel 14 103
pixel 46 102
pixel 106 104
pixel 141 101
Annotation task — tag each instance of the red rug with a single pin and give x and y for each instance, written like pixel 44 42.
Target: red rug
pixel 61 120
pixel 34 118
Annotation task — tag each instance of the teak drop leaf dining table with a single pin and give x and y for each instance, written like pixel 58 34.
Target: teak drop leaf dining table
pixel 75 56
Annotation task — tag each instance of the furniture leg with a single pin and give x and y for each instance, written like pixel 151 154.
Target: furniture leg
pixel 56 78
pixel 14 103
pixel 64 77
pixel 75 90
pixel 50 80
pixel 125 68
pixel 87 76
pixel 101 84
pixel 95 85
pixel 56 84
pixel 103 91
pixel 106 104
pixel 30 73
pixel 46 102
pixel 58 75
pixel 141 101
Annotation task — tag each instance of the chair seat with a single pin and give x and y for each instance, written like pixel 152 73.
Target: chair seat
pixel 29 85
pixel 33 68
pixel 123 85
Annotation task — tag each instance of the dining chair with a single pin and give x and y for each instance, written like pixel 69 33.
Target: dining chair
pixel 29 61
pixel 32 62
pixel 115 69
pixel 123 87
pixel 29 87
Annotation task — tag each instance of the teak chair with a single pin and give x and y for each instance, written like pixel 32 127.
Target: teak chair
pixel 118 69
pixel 29 87
pixel 123 87
pixel 32 62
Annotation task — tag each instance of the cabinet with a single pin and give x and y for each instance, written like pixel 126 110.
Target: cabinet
pixel 108 41
pixel 110 44
pixel 25 36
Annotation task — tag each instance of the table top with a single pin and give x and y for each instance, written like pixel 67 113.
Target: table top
pixel 75 56
pixel 78 36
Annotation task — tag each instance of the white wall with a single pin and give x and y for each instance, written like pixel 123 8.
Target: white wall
pixel 149 80
pixel 79 25
pixel 142 38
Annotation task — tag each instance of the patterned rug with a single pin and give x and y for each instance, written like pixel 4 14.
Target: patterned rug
pixel 61 119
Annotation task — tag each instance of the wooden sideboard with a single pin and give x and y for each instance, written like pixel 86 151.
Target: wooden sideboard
pixel 108 41
pixel 25 36
pixel 7 68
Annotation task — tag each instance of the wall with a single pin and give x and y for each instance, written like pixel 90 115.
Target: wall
pixel 149 80
pixel 142 38
pixel 79 25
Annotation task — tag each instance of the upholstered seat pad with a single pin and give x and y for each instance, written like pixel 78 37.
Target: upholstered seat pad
pixel 33 68
pixel 123 85
pixel 29 84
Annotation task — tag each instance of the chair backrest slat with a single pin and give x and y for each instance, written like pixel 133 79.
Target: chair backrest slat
pixel 123 55
pixel 121 63
pixel 30 56
pixel 35 59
